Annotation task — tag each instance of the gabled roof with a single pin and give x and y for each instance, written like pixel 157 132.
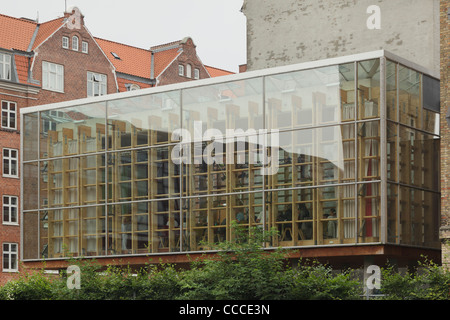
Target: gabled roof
pixel 23 36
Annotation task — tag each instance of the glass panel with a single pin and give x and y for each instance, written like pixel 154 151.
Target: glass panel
pixel 431 121
pixel 73 130
pixel 391 150
pixel 393 231
pixel 419 159
pixel 30 185
pixel 410 105
pixel 431 212
pixel 369 150
pixel 411 215
pixel 336 215
pixel 92 174
pixel 59 183
pixel 143 120
pixel 368 89
pixel 304 98
pixel 233 105
pixel 165 226
pixel 32 247
pixel 369 216
pixel 391 90
pixel 30 136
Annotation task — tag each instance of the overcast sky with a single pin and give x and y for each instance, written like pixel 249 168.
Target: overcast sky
pixel 217 27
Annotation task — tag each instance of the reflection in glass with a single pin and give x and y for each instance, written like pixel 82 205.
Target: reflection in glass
pixel 112 178
pixel 368 89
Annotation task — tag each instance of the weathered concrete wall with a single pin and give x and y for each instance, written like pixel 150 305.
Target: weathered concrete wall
pixel 283 32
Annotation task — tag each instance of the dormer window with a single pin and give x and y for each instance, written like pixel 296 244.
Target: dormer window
pixel 115 55
pixel 75 43
pixel 5 66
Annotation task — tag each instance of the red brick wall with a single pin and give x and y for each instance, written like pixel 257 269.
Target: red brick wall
pixel 445 130
pixel 189 56
pixel 10 186
pixel 76 65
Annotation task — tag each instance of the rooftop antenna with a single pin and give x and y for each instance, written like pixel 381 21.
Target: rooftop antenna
pixel 37 17
pixel 65 5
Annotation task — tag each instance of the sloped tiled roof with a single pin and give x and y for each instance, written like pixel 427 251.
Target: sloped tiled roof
pixel 16 33
pixel 25 35
pixel 131 60
pixel 163 59
pixel 22 66
pixel 216 72
pixel 46 29
pixel 137 61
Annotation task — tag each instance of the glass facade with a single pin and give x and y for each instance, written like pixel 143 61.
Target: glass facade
pixel 331 155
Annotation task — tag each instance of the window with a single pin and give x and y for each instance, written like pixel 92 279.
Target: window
pixel 65 42
pixel 132 87
pixel 9 112
pixel 10 163
pixel 52 76
pixel 197 73
pixel 180 70
pixel 75 43
pixel 84 47
pixel 5 66
pixel 96 84
pixel 10 257
pixel 10 210
pixel 115 55
pixel 188 71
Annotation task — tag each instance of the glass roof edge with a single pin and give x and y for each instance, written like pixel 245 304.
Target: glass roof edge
pixel 230 78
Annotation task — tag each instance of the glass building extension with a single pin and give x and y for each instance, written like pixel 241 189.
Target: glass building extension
pixel 352 144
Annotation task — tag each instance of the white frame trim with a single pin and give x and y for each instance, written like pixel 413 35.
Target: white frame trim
pixel 10 206
pixel 4 63
pixel 10 159
pixel 65 38
pixel 9 112
pixel 48 73
pixel 75 45
pixel 10 253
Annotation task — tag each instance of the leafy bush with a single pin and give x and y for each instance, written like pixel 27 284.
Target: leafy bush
pixel 241 270
pixel 427 282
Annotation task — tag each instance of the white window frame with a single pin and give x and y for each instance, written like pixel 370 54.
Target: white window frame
pixel 96 82
pixel 180 70
pixel 196 73
pixel 10 208
pixel 10 256
pixel 84 47
pixel 52 76
pixel 12 162
pixel 75 43
pixel 8 113
pixel 188 71
pixel 5 66
pixel 65 42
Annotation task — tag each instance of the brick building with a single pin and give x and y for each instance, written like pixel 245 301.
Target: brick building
pixel 445 128
pixel 60 60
